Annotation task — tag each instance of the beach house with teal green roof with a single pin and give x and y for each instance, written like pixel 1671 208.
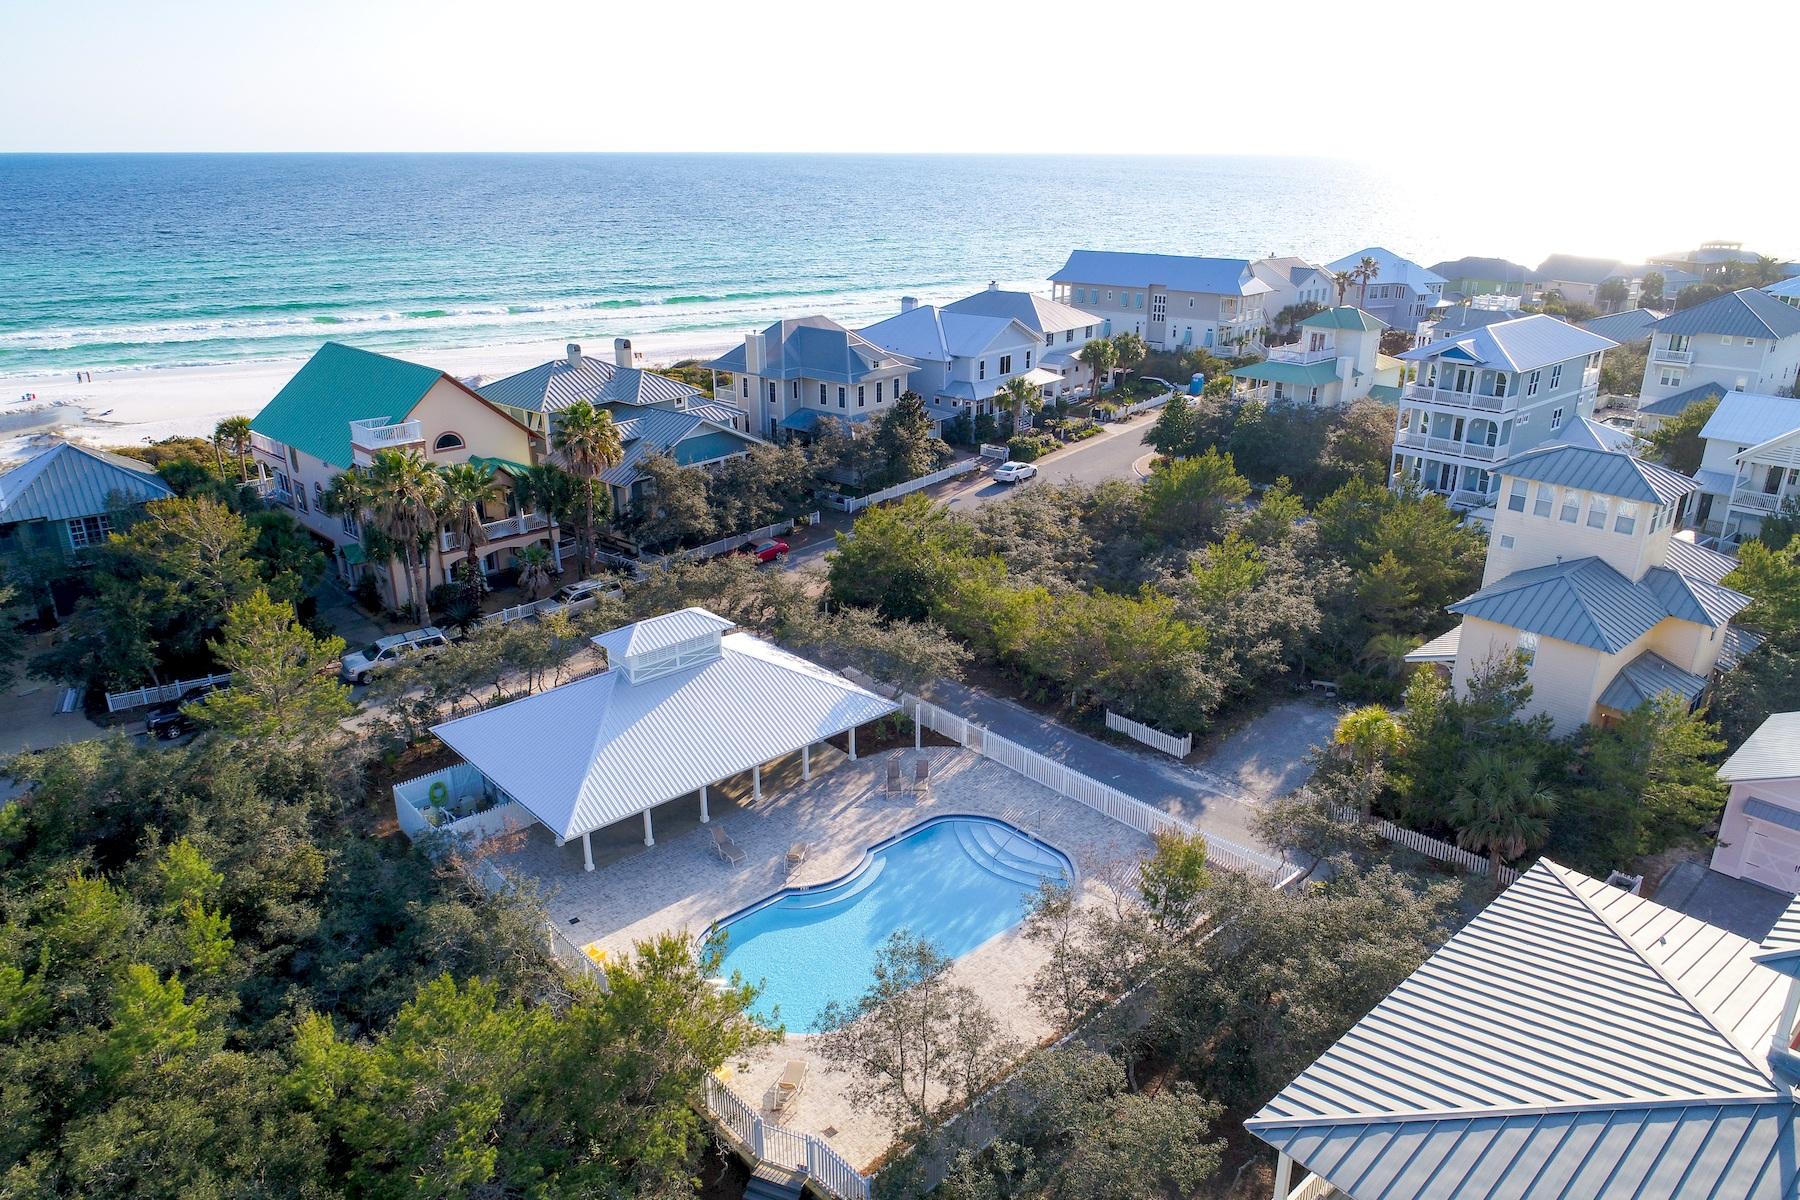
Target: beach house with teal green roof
pixel 66 498
pixel 1336 361
pixel 345 405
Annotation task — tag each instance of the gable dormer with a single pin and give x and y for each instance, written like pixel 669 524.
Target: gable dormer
pixel 1569 502
pixel 666 645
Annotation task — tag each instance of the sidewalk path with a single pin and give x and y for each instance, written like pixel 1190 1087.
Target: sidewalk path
pixel 1196 795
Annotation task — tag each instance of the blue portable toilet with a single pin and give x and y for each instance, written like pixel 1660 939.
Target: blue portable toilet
pixel 1197 385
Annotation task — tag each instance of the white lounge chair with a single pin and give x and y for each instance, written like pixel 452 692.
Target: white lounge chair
pixel 788 1087
pixel 796 855
pixel 921 774
pixel 727 849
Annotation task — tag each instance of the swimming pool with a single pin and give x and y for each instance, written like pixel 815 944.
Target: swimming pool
pixel 956 881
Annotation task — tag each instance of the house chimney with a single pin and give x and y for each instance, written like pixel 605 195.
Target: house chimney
pixel 622 356
pixel 753 354
pixel 573 352
pixel 908 303
pixel 993 285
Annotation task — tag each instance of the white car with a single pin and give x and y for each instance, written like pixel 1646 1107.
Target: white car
pixel 1014 472
pixel 583 594
pixel 389 651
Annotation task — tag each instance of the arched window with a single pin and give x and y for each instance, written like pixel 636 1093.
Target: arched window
pixel 448 441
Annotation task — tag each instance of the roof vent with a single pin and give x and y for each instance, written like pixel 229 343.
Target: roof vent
pixel 572 352
pixel 908 303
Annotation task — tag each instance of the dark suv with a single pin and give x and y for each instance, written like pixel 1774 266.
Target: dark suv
pixel 167 722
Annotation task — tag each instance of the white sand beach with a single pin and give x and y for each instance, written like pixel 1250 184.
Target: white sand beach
pixel 132 406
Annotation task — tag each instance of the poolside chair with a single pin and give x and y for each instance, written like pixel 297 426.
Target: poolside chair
pixel 728 850
pixel 796 855
pixel 788 1087
pixel 921 774
pixel 893 787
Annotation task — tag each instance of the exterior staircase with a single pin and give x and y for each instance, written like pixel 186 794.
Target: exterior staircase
pixel 770 1182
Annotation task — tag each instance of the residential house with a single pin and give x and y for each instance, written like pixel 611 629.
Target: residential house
pixel 654 414
pixel 802 369
pixel 1484 397
pixel 1468 277
pixel 1710 260
pixel 1628 327
pixel 1337 360
pixel 964 359
pixel 1750 467
pixel 1746 341
pixel 1402 293
pixel 1759 836
pixel 1293 283
pixel 1586 578
pixel 1578 279
pixel 1174 302
pixel 1062 328
pixel 1446 320
pixel 65 498
pixel 345 405
pixel 1574 1041
pixel 1652 413
pixel 1787 291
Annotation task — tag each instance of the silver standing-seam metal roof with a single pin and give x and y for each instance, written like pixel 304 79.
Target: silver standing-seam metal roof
pixel 1680 402
pixel 1572 1042
pixel 1743 313
pixel 1645 678
pixel 1176 272
pixel 1752 418
pixel 67 481
pixel 815 347
pixel 1772 752
pixel 1589 469
pixel 587 754
pixel 1585 601
pixel 553 386
pixel 1037 313
pixel 1521 344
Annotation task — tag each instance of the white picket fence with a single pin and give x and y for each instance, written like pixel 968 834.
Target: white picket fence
pixel 1137 731
pixel 1430 847
pixel 119 701
pixel 771 1143
pixel 714 549
pixel 1103 798
pixel 912 485
pixel 1001 451
pixel 517 612
pixel 1132 410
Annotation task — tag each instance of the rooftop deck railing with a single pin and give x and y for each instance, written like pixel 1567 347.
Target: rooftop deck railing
pixel 378 433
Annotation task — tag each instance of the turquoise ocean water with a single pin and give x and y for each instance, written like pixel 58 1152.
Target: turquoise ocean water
pixel 157 260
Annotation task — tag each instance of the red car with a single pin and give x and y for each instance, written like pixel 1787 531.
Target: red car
pixel 765 551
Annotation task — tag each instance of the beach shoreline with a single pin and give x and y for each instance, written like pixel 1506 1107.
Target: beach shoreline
pixel 133 406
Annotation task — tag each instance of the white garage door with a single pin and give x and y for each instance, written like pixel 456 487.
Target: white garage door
pixel 1772 856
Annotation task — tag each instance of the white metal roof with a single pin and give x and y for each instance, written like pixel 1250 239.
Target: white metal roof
pixel 1752 418
pixel 589 753
pixel 1772 752
pixel 1573 1040
pixel 1440 649
pixel 1522 344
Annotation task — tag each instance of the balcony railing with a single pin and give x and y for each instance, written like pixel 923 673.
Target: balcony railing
pixel 1664 354
pixel 267 445
pixel 1755 500
pixel 1291 354
pixel 498 531
pixel 378 433
pixel 1442 445
pixel 1429 395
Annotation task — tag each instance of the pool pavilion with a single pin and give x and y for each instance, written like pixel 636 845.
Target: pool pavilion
pixel 683 704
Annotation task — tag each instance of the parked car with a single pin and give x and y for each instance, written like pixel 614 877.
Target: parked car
pixel 1014 472
pixel 389 651
pixel 167 721
pixel 765 551
pixel 583 594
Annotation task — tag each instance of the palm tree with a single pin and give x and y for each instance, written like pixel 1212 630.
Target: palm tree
pixel 1365 274
pixel 1099 356
pixel 1343 280
pixel 1499 810
pixel 1022 396
pixel 588 443
pixel 1370 735
pixel 535 562
pixel 405 499
pixel 1386 653
pixel 235 432
pixel 467 489
pixel 549 489
pixel 1131 350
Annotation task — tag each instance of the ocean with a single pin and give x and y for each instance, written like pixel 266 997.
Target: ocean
pixel 144 261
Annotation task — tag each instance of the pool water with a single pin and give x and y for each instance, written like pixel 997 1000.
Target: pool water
pixel 955 881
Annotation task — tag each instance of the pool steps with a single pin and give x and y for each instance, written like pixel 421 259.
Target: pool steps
pixel 1007 855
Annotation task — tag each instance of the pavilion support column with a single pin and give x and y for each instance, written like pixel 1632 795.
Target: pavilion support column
pixel 853 743
pixel 918 729
pixel 806 762
pixel 587 851
pixel 705 816
pixel 1284 1176
pixel 649 835
pixel 756 782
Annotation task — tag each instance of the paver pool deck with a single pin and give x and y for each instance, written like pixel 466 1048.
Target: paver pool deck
pixel 681 884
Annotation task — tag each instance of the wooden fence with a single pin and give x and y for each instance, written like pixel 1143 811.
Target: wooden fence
pixel 1155 738
pixel 1103 798
pixel 912 485
pixel 1430 847
pixel 119 701
pixel 768 1142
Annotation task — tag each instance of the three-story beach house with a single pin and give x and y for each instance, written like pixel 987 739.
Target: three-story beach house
pixel 1750 467
pixel 1061 328
pixel 1293 283
pixel 1401 293
pixel 1588 579
pixel 345 406
pixel 1174 302
pixel 798 371
pixel 654 413
pixel 1744 341
pixel 1337 360
pixel 1484 397
pixel 963 359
